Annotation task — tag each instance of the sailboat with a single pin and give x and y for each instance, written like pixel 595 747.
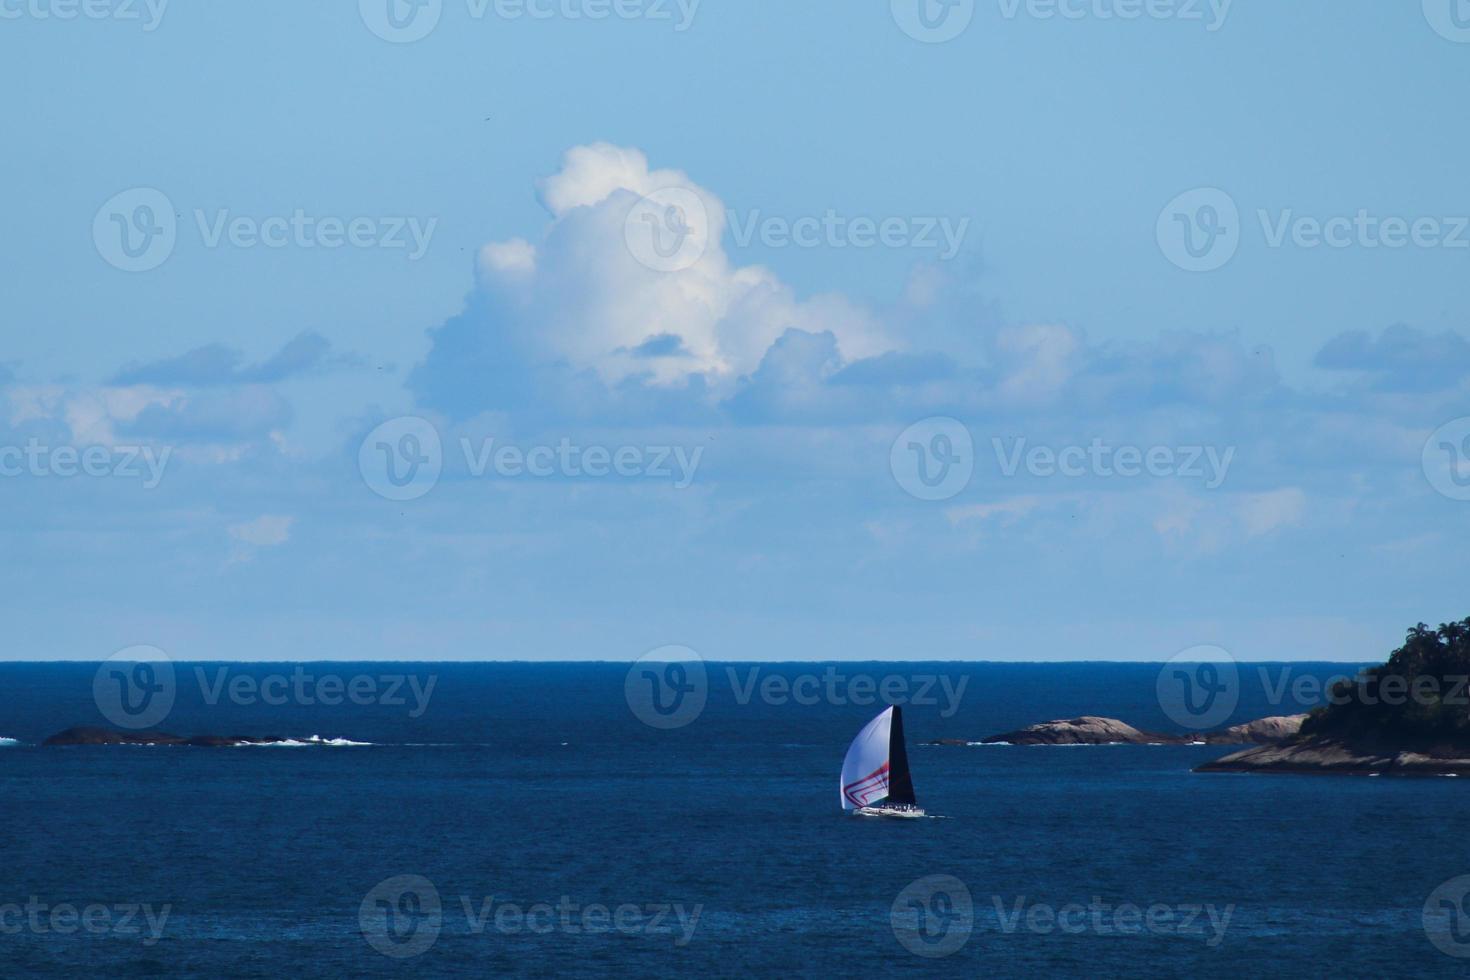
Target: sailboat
pixel 875 775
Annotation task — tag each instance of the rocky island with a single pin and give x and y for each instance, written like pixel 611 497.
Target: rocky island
pixel 87 735
pixel 1407 717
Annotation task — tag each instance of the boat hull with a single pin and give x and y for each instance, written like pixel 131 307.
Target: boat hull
pixel 900 813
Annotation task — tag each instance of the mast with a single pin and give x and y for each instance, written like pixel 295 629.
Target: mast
pixel 900 783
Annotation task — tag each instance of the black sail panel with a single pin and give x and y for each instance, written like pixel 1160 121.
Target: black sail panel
pixel 900 783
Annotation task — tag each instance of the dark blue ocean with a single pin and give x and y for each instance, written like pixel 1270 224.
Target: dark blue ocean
pixel 522 820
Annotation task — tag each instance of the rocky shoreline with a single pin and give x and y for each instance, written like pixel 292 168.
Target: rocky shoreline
pixel 1405 717
pixel 1320 756
pixel 1276 745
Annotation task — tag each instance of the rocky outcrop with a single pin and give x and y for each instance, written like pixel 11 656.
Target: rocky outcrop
pixel 1325 756
pixel 1096 730
pixel 1262 731
pixel 86 735
pixel 1087 730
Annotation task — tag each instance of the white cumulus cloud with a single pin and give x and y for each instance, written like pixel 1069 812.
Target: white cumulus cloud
pixel 581 295
pixel 266 531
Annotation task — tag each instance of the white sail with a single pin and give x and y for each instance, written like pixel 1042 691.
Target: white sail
pixel 865 770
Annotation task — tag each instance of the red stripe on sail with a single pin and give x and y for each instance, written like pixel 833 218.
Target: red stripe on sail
pixel 875 780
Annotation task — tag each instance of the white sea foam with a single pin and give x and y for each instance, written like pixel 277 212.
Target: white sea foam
pixel 297 743
pixel 318 740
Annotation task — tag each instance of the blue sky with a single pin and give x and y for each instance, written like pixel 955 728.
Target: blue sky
pixel 883 254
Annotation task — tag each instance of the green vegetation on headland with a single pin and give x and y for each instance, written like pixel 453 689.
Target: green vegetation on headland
pixel 1409 716
pixel 1418 697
